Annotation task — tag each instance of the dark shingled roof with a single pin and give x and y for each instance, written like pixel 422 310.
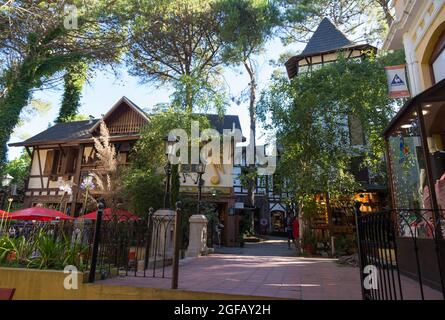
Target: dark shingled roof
pixel 326 38
pixel 225 122
pixel 61 132
pixel 80 130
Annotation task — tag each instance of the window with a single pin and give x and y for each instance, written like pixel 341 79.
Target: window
pixel 438 60
pixel 71 160
pixel 439 67
pixel 52 162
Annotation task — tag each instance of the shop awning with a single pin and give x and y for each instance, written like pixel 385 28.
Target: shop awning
pixel 434 94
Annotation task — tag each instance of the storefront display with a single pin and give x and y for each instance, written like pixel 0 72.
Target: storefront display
pixel 416 154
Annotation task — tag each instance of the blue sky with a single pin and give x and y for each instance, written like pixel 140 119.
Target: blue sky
pixel 105 89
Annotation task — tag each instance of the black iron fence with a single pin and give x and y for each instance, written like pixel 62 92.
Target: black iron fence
pixel 125 247
pixel 401 254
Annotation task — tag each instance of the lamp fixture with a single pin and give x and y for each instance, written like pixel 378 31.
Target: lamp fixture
pixel 6 181
pixel 424 112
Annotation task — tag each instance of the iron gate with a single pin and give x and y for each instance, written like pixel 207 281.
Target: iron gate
pixel 143 248
pixel 379 237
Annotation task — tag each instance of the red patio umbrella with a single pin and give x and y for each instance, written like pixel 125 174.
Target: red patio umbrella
pixel 39 214
pixel 122 215
pixel 4 215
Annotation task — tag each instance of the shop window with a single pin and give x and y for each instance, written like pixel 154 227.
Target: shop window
pixel 434 113
pixel 408 166
pixel 411 192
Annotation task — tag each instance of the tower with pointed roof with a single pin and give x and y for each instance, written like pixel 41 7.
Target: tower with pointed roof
pixel 323 48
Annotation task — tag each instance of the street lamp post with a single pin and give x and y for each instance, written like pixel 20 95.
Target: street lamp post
pixel 95 251
pixel 200 171
pixel 169 142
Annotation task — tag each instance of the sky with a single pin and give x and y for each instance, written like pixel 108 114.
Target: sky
pixel 105 89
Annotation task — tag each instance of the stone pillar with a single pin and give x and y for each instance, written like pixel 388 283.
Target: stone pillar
pixel 163 228
pixel 197 236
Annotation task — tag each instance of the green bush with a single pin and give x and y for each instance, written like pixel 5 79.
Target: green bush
pixel 41 252
pixel 345 245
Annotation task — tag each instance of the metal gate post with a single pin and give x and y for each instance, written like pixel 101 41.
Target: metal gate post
pixel 357 205
pixel 100 209
pixel 177 244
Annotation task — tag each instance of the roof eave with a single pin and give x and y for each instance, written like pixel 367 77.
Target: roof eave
pixel 74 141
pixel 295 59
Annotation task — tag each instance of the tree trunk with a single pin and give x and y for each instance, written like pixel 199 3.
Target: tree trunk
pixel 74 79
pixel 19 83
pixel 384 4
pixel 252 142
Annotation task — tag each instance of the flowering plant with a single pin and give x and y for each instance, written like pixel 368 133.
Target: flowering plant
pixel 87 183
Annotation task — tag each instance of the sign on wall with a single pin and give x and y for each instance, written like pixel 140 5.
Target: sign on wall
pixel 397 83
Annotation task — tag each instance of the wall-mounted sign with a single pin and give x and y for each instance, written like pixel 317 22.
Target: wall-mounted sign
pixel 397 83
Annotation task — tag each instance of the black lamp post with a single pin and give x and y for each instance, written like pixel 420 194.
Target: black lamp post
pixel 200 170
pixel 169 142
pixel 95 252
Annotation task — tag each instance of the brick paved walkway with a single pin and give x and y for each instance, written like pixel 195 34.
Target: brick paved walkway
pixel 267 269
pixel 260 269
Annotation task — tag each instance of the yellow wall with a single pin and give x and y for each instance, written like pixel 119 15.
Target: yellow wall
pixel 31 284
pixel 425 48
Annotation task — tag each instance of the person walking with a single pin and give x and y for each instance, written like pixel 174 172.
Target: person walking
pixel 296 233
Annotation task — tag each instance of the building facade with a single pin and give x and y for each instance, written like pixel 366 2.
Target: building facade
pixel 63 155
pixel 327 44
pixel 415 139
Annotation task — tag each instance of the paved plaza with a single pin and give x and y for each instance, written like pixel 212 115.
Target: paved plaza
pixel 267 269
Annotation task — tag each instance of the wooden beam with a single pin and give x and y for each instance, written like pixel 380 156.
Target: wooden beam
pixel 40 166
pixel 61 150
pixel 76 180
pixel 28 152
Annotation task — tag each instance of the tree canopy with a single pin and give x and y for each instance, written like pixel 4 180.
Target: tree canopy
pixel 38 41
pixel 363 20
pixel 176 42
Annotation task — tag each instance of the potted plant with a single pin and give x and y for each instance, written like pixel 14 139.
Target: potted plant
pixel 309 242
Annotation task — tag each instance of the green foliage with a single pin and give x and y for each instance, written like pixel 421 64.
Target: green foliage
pixel 143 181
pixel 176 42
pixel 18 169
pixel 142 189
pixel 74 80
pixel 33 51
pixel 345 245
pixel 310 116
pixel 361 20
pixel 41 251
pixel 246 25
